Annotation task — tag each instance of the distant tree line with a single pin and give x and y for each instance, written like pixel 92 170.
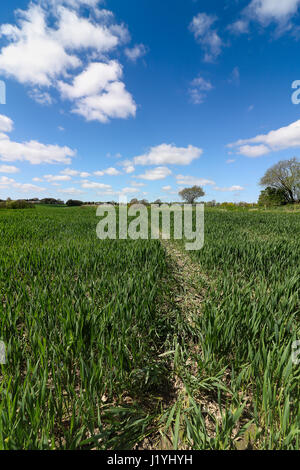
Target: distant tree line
pixel 52 201
pixel 230 205
pixel 281 185
pixel 19 204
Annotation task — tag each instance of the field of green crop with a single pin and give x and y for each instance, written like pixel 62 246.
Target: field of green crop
pixel 100 355
pixel 248 322
pixel 79 320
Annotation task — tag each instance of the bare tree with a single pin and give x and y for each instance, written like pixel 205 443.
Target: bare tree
pixel 191 194
pixel 284 176
pixel 134 201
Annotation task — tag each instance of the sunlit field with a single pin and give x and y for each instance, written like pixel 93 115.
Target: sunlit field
pixel 102 355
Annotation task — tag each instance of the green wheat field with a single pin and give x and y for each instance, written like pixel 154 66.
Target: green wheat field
pixel 110 347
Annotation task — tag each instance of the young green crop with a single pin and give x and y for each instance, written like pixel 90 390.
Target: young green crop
pixel 245 330
pixel 79 321
pixel 95 340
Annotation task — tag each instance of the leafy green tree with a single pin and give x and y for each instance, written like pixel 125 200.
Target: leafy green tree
pixel 284 176
pixel 272 197
pixel 190 195
pixel 72 203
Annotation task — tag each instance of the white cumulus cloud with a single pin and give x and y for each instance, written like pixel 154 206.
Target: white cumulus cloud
pixel 6 124
pixel 166 154
pixel 8 169
pixel 193 181
pixel 276 140
pixel 128 167
pixel 73 3
pixel 55 178
pixel 65 49
pixel 34 55
pixel 265 12
pixel 114 102
pixel 93 80
pixel 93 185
pixel 273 10
pixel 230 189
pixel 71 172
pixel 158 173
pixel 110 172
pixel 75 32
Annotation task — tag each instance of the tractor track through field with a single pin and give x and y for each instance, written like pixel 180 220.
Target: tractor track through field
pixel 187 286
pixel 189 280
pixel 187 290
pixel 190 288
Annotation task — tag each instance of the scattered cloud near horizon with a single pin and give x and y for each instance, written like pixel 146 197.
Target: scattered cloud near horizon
pixel 71 191
pixel 9 183
pixel 32 151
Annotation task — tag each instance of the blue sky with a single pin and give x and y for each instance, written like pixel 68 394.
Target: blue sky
pixel 142 98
